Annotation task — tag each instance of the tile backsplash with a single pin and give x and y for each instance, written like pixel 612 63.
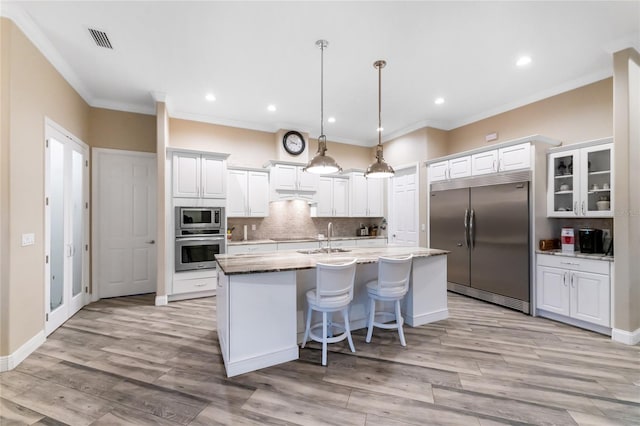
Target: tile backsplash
pixel 293 219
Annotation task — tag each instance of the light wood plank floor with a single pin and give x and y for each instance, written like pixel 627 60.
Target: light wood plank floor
pixel 125 361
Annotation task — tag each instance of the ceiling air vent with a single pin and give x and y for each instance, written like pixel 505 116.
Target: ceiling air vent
pixel 101 39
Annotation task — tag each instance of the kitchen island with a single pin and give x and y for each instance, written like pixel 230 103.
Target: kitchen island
pixel 261 299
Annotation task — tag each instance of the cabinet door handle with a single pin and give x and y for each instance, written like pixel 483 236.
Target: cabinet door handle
pixel 583 209
pixel 564 278
pixel 498 167
pixel 575 208
pixel 494 166
pixel 572 283
pixel 447 173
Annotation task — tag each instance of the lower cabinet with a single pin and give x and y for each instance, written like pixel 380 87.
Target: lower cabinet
pixel 251 248
pixel 194 282
pixel 576 288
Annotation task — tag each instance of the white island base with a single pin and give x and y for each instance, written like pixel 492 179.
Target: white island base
pixel 260 316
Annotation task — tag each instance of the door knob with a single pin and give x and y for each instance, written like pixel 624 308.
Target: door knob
pixel 151 242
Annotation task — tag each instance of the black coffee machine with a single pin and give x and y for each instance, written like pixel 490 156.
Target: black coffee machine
pixel 590 240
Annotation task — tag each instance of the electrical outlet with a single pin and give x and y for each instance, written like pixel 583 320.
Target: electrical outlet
pixel 606 234
pixel 28 239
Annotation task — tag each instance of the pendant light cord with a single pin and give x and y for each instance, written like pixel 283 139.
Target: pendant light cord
pixel 322 89
pixel 380 104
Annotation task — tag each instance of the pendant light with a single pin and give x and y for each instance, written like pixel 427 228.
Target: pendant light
pixel 379 168
pixel 322 163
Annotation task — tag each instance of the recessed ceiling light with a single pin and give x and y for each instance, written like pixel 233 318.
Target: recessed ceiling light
pixel 523 61
pixel 439 101
pixel 210 97
pixel 331 119
pixel 271 108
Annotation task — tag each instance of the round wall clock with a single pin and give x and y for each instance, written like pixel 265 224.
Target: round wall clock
pixel 293 142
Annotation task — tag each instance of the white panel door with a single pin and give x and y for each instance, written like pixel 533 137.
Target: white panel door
pixel 374 198
pixel 258 195
pixel 66 226
pixel 285 177
pixel 125 219
pixel 186 175
pixel 325 197
pixel 403 212
pixel 340 197
pixel 552 292
pixel 237 193
pixel 460 167
pixel 213 177
pixel 359 195
pixel 484 162
pixel 515 157
pixel 307 181
pixel 438 171
pixel 590 297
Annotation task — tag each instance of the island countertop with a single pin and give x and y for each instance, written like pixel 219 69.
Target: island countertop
pixel 291 260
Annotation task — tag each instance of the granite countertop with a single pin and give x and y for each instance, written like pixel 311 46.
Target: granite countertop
pixel 299 240
pixel 291 260
pixel 594 256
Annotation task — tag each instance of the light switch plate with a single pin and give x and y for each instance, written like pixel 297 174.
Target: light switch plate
pixel 28 239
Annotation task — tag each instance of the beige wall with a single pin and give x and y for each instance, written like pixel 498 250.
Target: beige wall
pixel 253 148
pixel 122 130
pixel 5 36
pixel 35 91
pixel 574 116
pixel 626 315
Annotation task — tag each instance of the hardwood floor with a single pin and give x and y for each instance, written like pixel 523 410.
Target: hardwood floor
pixel 125 361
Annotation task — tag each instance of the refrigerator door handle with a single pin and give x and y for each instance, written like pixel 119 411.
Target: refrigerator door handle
pixel 466 227
pixel 472 234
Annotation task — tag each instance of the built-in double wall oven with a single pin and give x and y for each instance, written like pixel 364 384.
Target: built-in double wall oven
pixel 199 237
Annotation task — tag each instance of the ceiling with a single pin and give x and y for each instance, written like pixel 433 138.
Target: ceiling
pixel 252 54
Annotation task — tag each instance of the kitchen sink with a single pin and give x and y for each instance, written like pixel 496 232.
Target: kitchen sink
pixel 323 251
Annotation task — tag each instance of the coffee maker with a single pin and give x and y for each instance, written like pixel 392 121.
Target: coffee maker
pixel 590 240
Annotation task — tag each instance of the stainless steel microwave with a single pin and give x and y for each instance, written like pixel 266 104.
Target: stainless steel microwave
pixel 198 218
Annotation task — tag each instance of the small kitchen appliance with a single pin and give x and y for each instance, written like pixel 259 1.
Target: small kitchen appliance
pixel 590 240
pixel 567 237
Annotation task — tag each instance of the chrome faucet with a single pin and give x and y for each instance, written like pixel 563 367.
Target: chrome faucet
pixel 329 234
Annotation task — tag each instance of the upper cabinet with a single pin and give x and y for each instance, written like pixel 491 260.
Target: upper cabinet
pixel 365 196
pixel 580 180
pixel 248 193
pixel 332 197
pixel 199 175
pixel 507 156
pixel 450 169
pixel 505 159
pixel 290 181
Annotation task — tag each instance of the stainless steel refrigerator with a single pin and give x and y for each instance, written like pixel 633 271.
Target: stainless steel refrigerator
pixel 485 226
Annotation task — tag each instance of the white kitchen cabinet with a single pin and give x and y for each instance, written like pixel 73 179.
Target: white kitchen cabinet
pixel 332 197
pixel 288 177
pixel 341 243
pixel 256 320
pixel 251 248
pixel 198 175
pixel 298 245
pixel 365 196
pixel 580 180
pixel 248 193
pixel 505 159
pixel 450 169
pixel 576 288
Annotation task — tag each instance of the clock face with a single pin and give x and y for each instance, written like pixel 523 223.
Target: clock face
pixel 293 143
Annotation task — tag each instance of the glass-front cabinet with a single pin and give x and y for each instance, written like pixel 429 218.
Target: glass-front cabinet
pixel 581 180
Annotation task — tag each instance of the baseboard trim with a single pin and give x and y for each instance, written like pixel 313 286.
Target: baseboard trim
pixel 9 362
pixel 626 337
pixel 162 300
pixel 261 361
pixel 574 322
pixel 417 320
pixel 194 295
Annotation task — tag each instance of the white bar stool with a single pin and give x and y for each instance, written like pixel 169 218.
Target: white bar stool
pixel 391 286
pixel 333 292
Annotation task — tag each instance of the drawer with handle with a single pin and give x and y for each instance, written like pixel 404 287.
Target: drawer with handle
pixel 193 285
pixel 574 263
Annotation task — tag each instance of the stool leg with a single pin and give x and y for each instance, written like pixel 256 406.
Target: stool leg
pixel 308 328
pixel 372 314
pixel 399 321
pixel 347 328
pixel 324 338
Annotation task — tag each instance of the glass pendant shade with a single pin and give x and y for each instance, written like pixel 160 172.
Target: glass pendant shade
pixel 321 163
pixel 379 168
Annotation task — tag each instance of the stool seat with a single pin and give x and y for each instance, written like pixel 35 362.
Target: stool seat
pixel 333 293
pixel 391 286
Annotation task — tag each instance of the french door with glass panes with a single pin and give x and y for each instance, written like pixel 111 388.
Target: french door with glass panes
pixel 66 225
